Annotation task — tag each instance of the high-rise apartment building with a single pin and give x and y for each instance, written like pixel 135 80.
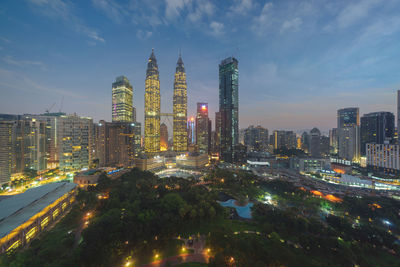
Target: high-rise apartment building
pixel 137 127
pixel 377 128
pixel 152 107
pixel 203 125
pixel 122 98
pixel 76 142
pixel 52 121
pixel 164 137
pixel 180 137
pixel 7 131
pixel 333 140
pixel 229 107
pixel 30 145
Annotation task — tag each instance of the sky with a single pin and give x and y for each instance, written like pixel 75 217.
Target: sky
pixel 299 61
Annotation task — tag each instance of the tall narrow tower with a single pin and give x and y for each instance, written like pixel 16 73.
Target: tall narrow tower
pixel 229 108
pixel 180 108
pixel 152 105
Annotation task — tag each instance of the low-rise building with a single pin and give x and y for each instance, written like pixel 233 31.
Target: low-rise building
pixel 23 216
pixel 192 161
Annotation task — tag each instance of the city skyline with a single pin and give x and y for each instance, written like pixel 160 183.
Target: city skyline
pixel 351 60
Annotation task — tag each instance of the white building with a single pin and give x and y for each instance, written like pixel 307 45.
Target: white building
pixel 384 158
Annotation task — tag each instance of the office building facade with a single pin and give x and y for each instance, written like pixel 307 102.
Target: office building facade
pixel 378 128
pixel 7 131
pixel 229 107
pixel 256 138
pixel 122 100
pixel 383 158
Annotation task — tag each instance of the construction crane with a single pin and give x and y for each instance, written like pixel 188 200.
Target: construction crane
pixel 48 110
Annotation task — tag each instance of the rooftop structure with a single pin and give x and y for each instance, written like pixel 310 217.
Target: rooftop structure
pixel 23 216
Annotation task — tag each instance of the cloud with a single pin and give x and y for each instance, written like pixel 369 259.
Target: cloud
pixel 59 9
pixel 293 24
pixel 23 63
pixel 217 28
pixel 5 40
pixel 201 9
pixel 174 7
pixel 355 12
pixel 143 35
pixel 21 82
pixel 261 21
pixel 241 6
pixel 111 8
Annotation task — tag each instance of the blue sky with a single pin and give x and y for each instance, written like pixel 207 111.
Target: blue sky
pixel 299 61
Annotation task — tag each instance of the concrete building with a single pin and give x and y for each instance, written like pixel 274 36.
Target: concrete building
pixel 349 143
pixel 384 158
pixel 24 216
pixel 284 139
pixel 150 164
pixel 7 131
pixel 309 164
pixel 315 143
pixel 30 145
pixel 75 142
pixel 333 140
pixel 192 160
pixel 229 107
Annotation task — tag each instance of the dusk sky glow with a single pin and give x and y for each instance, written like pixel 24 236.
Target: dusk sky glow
pixel 298 61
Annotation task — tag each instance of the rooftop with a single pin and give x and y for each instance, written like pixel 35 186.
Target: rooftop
pixel 18 209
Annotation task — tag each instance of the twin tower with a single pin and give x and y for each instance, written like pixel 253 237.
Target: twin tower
pixel 152 108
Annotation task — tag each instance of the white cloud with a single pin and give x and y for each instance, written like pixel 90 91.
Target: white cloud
pixel 261 21
pixel 241 6
pixel 201 9
pixel 355 12
pixel 293 24
pixel 217 28
pixel 143 35
pixel 174 7
pixel 59 9
pixel 23 63
pixel 111 8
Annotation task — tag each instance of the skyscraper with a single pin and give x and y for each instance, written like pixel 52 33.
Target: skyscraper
pixel 398 115
pixel 180 138
pixel 229 107
pixel 376 127
pixel 152 106
pixel 348 125
pixel 191 130
pixel 217 137
pixel 203 131
pixel 7 129
pixel 163 137
pixel 122 97
pixel 256 138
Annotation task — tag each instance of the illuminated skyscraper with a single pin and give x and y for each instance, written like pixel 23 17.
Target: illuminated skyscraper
pixel 229 107
pixel 122 95
pixel 7 131
pixel 180 108
pixel 152 106
pixel 191 130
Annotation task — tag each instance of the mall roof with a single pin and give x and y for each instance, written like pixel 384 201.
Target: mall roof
pixel 18 209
